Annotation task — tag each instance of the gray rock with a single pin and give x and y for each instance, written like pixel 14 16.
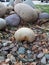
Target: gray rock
pixel 4 53
pixel 11 46
pixel 2 58
pixel 6 44
pixel 13 53
pixel 40 55
pixel 29 2
pixel 29 53
pixel 44 16
pixel 47 64
pixel 2 23
pixel 1 45
pixel 13 20
pixel 5 48
pixel 21 50
pixel 11 57
pixel 47 56
pixel 14 49
pixel 43 60
pixel 3 9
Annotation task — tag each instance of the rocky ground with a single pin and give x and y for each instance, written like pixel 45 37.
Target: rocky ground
pixel 24 53
pixel 13 52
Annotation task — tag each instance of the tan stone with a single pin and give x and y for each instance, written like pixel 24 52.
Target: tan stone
pixel 26 12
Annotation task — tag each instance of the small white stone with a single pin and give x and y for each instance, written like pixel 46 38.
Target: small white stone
pixel 7 60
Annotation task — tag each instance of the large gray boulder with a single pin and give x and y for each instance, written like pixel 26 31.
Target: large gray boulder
pixel 29 2
pixel 13 20
pixel 3 9
pixel 26 12
pixel 2 23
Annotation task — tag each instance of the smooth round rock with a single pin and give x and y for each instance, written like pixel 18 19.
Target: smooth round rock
pixel 26 12
pixel 3 9
pixel 21 50
pixel 29 2
pixel 44 16
pixel 2 23
pixel 13 20
pixel 24 34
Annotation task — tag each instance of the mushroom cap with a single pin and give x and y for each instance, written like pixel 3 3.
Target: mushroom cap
pixel 24 34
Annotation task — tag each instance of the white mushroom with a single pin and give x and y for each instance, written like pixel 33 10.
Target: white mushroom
pixel 24 34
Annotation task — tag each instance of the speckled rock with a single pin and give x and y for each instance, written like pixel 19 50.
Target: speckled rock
pixel 26 12
pixel 3 9
pixel 13 20
pixel 24 34
pixel 29 2
pixel 2 23
pixel 21 50
pixel 44 15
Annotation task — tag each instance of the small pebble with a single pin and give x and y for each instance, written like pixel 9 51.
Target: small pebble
pixel 47 56
pixel 40 55
pixel 21 50
pixel 11 46
pixel 1 45
pixel 11 57
pixel 5 48
pixel 43 60
pixel 2 58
